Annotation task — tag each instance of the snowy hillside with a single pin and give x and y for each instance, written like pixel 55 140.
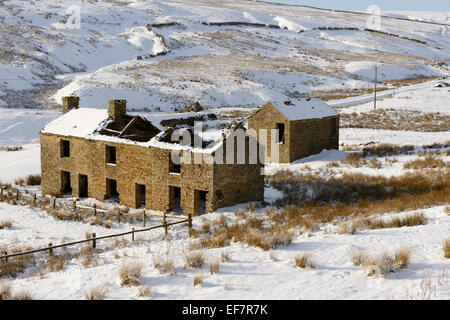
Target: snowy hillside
pixel 220 53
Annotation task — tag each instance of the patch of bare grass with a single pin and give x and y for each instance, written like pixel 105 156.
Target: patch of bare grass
pixel 304 261
pixel 446 247
pixel 97 292
pixel 130 273
pixel 5 224
pixel 194 259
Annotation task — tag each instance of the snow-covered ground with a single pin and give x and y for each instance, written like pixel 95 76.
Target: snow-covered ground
pixel 250 274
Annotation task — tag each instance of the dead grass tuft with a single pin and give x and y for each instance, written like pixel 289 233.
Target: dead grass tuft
pixel 144 291
pixel 5 224
pixel 194 259
pixel 198 280
pixel 130 273
pixel 446 247
pixel 214 266
pixel 225 256
pixel 402 257
pixel 165 264
pixel 96 293
pixel 304 261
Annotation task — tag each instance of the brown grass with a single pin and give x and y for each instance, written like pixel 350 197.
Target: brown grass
pixel 304 261
pixel 15 265
pixel 5 224
pixel 402 257
pixel 446 247
pixel 144 291
pixel 33 180
pixel 429 162
pixel 391 119
pixel 353 159
pixel 165 264
pixel 198 280
pixel 194 259
pixel 358 258
pixel 57 262
pixel 10 149
pixel 415 219
pixel 22 295
pixel 385 149
pixel 5 291
pixel 96 293
pixel 379 266
pixel 214 266
pixel 130 273
pixel 225 256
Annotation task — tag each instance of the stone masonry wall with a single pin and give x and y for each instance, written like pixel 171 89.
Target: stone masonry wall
pixel 149 167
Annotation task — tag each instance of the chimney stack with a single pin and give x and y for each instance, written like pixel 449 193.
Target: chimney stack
pixel 69 103
pixel 117 109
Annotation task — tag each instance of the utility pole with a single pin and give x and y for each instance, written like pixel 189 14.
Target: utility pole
pixel 375 95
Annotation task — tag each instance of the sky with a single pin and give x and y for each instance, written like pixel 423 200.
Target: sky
pixel 385 5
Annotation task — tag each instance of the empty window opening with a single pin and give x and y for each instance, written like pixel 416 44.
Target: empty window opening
pixel 200 202
pixel 174 163
pixel 65 148
pixel 175 200
pixel 140 195
pixel 110 155
pixel 280 128
pixel 111 189
pixel 82 186
pixel 333 129
pixel 66 187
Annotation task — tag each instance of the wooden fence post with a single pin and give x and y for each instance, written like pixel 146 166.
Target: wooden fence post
pixel 143 218
pixel 54 202
pixel 74 207
pixel 50 250
pixel 34 200
pixel 1 196
pixel 165 224
pixel 94 243
pixel 5 254
pixel 190 224
pixel 132 234
pixel 17 194
pixel 118 216
pixel 95 209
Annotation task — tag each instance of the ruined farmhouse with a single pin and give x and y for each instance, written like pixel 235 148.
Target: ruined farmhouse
pixel 303 127
pixel 107 153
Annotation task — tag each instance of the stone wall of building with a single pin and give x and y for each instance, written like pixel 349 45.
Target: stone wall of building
pixel 148 166
pixel 312 136
pixel 267 118
pixel 301 138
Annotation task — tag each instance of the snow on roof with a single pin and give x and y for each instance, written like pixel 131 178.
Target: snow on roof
pixel 79 122
pixel 84 122
pixel 304 109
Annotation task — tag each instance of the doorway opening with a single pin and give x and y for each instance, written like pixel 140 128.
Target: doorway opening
pixel 140 195
pixel 66 187
pixel 175 199
pixel 82 186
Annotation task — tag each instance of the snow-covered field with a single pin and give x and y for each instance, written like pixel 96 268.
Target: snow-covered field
pixel 250 274
pixel 225 68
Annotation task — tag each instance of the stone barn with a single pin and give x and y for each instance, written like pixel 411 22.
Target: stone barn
pixel 109 154
pixel 304 127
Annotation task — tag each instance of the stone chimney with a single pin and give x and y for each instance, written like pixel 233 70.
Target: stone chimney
pixel 69 103
pixel 117 109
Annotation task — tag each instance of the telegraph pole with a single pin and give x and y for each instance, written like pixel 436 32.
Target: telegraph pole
pixel 375 95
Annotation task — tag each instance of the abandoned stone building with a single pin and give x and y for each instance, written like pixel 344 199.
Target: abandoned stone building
pixel 107 153
pixel 305 127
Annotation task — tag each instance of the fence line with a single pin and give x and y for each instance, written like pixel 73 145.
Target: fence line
pixel 75 205
pixel 94 238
